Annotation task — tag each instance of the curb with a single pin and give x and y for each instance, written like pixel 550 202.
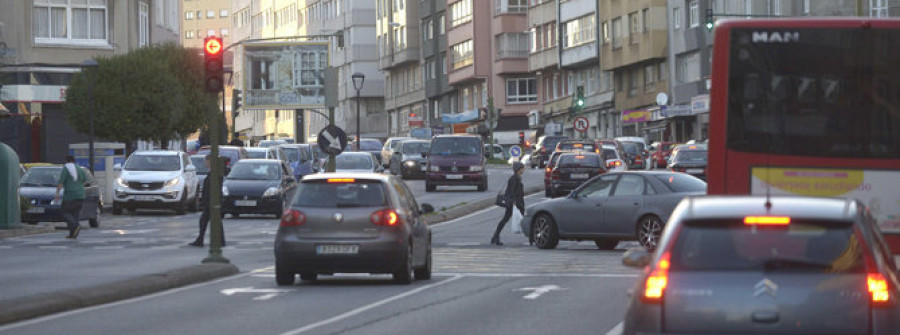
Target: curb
pixel 24 230
pixel 460 211
pixel 23 308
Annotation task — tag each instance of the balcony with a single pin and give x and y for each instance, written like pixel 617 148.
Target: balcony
pixel 579 54
pixel 399 58
pixel 543 59
pixel 542 14
pixel 504 7
pixel 509 66
pixel 426 8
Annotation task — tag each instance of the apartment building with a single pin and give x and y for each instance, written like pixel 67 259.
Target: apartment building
pixel 250 125
pixel 42 43
pixel 399 52
pixel 634 40
pixel 438 92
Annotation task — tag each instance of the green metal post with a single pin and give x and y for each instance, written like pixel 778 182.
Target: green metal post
pixel 216 171
pixel 331 165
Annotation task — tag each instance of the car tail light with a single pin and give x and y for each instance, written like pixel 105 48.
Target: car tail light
pixel 614 164
pixel 878 289
pixel 767 220
pixel 554 175
pixel 655 286
pixel 292 218
pixel 385 217
pixel 341 180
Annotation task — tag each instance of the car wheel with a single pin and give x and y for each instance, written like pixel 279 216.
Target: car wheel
pixel 429 187
pixel 117 210
pixel 308 276
pixel 424 273
pixel 648 231
pixel 282 277
pixel 95 222
pixel 606 243
pixel 403 275
pixel 484 185
pixel 546 235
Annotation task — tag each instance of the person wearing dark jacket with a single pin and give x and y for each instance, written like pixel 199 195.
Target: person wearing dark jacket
pixel 515 192
pixel 205 200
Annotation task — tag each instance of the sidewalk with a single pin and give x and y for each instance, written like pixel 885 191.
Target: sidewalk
pixel 29 307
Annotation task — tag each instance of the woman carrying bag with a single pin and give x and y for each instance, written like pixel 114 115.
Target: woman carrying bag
pixel 515 195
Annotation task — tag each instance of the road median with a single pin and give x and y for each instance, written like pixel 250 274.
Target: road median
pixel 468 208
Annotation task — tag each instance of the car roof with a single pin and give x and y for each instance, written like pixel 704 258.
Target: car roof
pixel 416 141
pixel 257 149
pixel 257 160
pixel 456 135
pixel 737 207
pixel 157 152
pixel 360 175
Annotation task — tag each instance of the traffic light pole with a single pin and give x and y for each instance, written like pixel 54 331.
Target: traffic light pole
pixel 216 171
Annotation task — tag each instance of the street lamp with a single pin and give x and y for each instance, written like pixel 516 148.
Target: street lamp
pixel 358 80
pixel 90 63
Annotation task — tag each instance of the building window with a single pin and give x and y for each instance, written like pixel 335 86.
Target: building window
pixel 687 67
pixel 635 26
pixel 522 90
pixel 462 55
pixel 189 15
pixel 64 22
pixel 694 14
pixel 428 30
pixel 210 14
pixel 199 14
pixel 430 69
pixel 143 24
pixel 663 71
pixel 579 31
pixel 189 34
pixel 646 19
pixel 617 32
pixel 511 6
pixel 632 82
pixel 223 13
pixel 806 8
pixel 606 37
pixel 442 25
pixel 443 63
pixel 649 76
pixel 460 12
pixel 677 17
pixel 550 29
pixel 534 33
pixel 512 45
pixel 210 32
pixel 224 32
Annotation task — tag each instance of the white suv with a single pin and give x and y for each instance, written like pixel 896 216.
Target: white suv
pixel 156 179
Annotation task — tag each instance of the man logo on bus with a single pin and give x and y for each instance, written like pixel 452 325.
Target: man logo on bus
pixel 776 37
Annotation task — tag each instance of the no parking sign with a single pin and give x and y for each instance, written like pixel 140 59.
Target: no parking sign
pixel 581 124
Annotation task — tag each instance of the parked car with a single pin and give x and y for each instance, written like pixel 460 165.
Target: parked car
pixel 156 179
pixel 690 159
pixel 38 189
pixel 353 222
pixel 389 147
pixel 756 264
pixel 232 154
pixel 356 161
pixel 543 149
pixel 456 160
pixel 407 161
pixel 302 160
pixel 258 186
pixel 371 145
pixel 573 169
pixel 613 159
pixel 612 207
pixel 659 154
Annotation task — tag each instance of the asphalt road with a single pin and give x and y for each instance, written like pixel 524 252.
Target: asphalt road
pixel 476 288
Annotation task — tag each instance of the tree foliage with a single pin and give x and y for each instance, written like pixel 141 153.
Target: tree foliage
pixel 153 93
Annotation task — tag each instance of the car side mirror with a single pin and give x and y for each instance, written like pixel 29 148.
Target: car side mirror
pixel 637 257
pixel 427 208
pixel 117 167
pixel 190 168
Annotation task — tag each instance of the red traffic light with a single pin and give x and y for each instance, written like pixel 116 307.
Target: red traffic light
pixel 213 45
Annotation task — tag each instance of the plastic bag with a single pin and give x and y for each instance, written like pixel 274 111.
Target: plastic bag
pixel 516 221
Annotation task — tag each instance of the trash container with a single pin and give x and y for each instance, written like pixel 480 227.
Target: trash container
pixel 10 215
pixel 106 155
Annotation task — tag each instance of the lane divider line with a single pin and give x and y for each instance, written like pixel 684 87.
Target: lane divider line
pixel 616 330
pixel 370 306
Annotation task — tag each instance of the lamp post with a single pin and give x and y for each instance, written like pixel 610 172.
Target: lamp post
pixel 358 80
pixel 90 63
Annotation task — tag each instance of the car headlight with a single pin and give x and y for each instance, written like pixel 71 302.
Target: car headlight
pixel 476 168
pixel 271 192
pixel 172 183
pixel 225 191
pixel 433 168
pixel 121 182
pixel 410 163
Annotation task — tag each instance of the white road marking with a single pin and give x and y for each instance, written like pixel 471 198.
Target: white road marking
pixel 616 330
pixel 475 213
pixel 53 247
pixel 6 247
pixel 462 244
pixel 269 292
pixel 536 292
pixel 112 247
pixel 369 306
pixel 515 275
pixel 128 232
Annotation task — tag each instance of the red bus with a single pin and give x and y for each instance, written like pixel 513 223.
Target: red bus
pixel 808 107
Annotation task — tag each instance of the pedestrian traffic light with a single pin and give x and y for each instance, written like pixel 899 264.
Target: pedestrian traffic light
pixel 235 101
pixel 710 20
pixel 521 138
pixel 212 64
pixel 579 97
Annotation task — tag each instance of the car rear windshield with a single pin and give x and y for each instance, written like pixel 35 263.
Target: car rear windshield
pixel 691 156
pixel 153 163
pixel 255 171
pixel 370 145
pixel 455 146
pixel 570 146
pixel 551 142
pixel 256 154
pixel 353 162
pixel 632 148
pixel 579 161
pixel 347 193
pixel 801 246
pixel 610 154
pixel 679 182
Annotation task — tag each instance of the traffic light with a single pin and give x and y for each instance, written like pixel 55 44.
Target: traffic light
pixel 522 138
pixel 212 64
pixel 235 101
pixel 710 20
pixel 579 97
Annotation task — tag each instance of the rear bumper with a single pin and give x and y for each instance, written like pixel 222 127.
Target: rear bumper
pixel 380 255
pixel 267 205
pixel 466 178
pixel 565 186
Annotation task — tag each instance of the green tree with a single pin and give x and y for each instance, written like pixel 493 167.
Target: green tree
pixel 153 93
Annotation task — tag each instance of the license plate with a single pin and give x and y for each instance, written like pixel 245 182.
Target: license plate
pixel 143 197
pixel 579 175
pixel 694 171
pixel 245 203
pixel 36 210
pixel 454 176
pixel 341 249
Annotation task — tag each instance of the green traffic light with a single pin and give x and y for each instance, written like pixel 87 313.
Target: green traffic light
pixel 709 26
pixel 580 102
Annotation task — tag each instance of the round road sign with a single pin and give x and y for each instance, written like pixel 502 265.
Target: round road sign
pixel 515 151
pixel 332 140
pixel 581 124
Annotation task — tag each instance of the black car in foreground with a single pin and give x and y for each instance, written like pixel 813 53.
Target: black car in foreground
pixel 257 186
pixel 573 169
pixel 38 187
pixel 690 159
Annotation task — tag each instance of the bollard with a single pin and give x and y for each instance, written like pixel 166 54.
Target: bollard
pixel 10 215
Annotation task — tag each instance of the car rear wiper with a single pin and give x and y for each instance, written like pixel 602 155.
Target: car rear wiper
pixel 785 263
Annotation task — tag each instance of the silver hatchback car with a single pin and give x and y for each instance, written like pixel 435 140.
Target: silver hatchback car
pixel 782 265
pixel 353 223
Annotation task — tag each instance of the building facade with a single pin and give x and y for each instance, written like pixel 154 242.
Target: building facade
pixel 399 40
pixel 438 92
pixel 43 43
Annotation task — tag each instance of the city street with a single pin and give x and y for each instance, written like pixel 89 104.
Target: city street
pixel 476 288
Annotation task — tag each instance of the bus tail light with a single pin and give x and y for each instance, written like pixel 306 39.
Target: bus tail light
pixel 292 218
pixel 656 283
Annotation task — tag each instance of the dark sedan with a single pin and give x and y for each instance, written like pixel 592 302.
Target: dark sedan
pixel 407 161
pixel 573 169
pixel 353 222
pixel 612 207
pixel 257 186
pixel 38 187
pixel 690 159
